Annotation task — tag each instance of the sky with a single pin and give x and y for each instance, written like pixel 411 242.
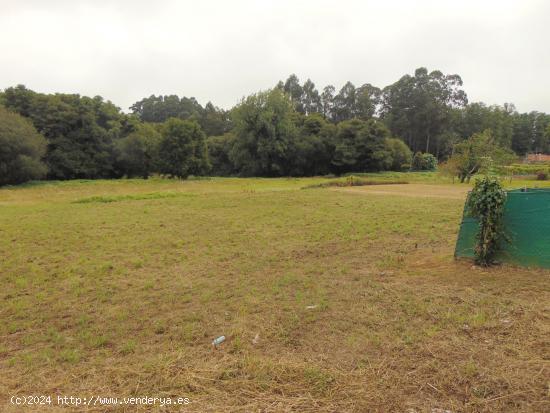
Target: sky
pixel 220 51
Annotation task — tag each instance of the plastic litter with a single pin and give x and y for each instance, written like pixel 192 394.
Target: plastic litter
pixel 217 341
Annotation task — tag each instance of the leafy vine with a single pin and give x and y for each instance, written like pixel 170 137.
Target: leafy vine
pixel 486 203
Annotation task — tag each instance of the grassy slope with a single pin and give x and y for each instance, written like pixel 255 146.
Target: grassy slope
pixel 124 297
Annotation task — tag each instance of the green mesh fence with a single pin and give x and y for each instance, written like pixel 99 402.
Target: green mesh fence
pixel 527 223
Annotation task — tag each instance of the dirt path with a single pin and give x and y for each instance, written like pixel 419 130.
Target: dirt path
pixel 412 190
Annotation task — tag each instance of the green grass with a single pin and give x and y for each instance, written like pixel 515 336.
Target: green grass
pixel 355 298
pixel 117 198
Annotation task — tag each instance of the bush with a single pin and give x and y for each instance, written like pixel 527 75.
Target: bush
pixel 542 176
pixel 424 162
pixel 21 149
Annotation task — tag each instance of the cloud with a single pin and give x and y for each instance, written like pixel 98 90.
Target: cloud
pixel 221 51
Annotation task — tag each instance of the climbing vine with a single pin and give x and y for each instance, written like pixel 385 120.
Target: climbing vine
pixel 486 203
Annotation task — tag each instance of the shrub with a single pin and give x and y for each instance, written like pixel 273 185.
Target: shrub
pixel 542 175
pixel 424 162
pixel 430 162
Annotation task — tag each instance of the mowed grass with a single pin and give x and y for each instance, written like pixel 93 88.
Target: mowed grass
pixel 330 299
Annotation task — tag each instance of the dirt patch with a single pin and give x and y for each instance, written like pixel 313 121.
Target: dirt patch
pixel 413 190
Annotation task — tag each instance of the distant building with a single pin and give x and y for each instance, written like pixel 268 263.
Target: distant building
pixel 537 158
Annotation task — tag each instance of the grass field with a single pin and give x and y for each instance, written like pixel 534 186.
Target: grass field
pixel 331 299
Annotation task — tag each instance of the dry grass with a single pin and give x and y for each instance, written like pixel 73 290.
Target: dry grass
pixel 416 191
pixel 123 298
pixel 352 181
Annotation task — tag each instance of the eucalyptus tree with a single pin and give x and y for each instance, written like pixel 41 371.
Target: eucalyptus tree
pixel 327 102
pixel 311 101
pixel 293 88
pixel 345 103
pixel 418 108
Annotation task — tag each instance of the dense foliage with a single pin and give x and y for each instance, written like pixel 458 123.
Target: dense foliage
pixel 182 149
pixel 293 129
pixel 486 203
pixel 361 146
pixel 265 133
pixel 79 130
pixel 21 148
pixel 137 154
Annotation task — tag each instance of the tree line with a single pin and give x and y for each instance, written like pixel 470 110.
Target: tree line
pixel 292 129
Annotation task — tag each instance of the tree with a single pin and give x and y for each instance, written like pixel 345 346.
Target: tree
pixel 345 105
pixel 367 101
pixel 313 147
pixel 477 117
pixel 327 102
pixel 477 154
pixel 219 150
pixel 214 121
pixel 80 131
pixel 265 134
pixel 291 130
pixel 311 101
pixel 352 102
pixel 21 149
pixel 182 149
pixel 137 153
pixel 419 107
pixel 295 91
pixel 361 146
pixel 450 168
pixel 541 141
pixel 400 154
pixel 160 108
pixel 522 137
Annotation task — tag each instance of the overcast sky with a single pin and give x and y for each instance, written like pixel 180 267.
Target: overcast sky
pixel 223 50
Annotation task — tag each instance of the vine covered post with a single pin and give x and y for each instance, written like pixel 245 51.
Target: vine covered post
pixel 486 203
